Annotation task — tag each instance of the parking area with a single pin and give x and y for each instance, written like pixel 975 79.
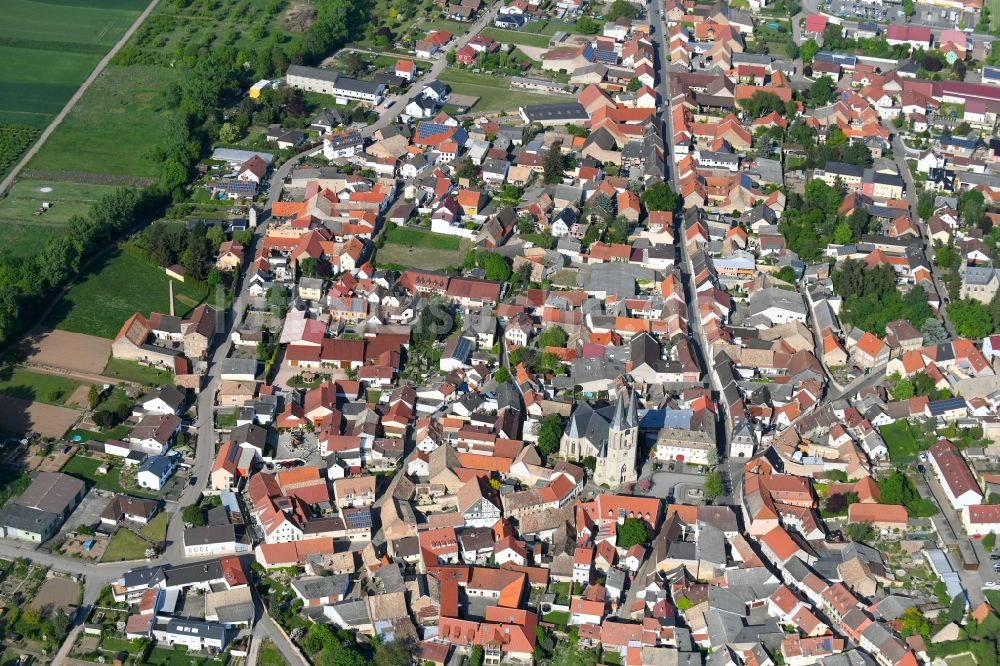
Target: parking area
pixel 850 9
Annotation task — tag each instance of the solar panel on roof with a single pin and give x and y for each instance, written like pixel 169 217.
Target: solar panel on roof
pixel 233 450
pixel 432 129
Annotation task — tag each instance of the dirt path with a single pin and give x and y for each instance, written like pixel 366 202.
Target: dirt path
pixel 74 374
pixel 6 183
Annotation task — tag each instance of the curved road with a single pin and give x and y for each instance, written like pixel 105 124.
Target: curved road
pixel 8 181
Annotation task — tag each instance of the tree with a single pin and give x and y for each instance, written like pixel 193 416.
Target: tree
pixel 941 592
pixel 395 653
pixel 550 434
pixel 925 204
pixel 497 268
pixel 842 234
pixel 989 541
pixel 631 532
pixel 903 390
pixel 808 50
pixel 476 657
pixel 193 515
pixel 553 166
pixel 971 206
pixel 897 489
pixel 822 91
pixel 970 318
pixel 620 8
pixel 659 196
pixel 229 133
pixel 956 611
pixel 553 336
pixel 762 103
pixel 860 532
pixel 913 622
pixel 934 332
pixel 713 485
pixel 93 396
pixel 450 56
pixel 60 625
pixel 501 375
pixel 587 26
pixel 318 638
pixel 836 504
pixel 908 8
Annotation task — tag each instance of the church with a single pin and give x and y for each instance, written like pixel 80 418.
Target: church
pixel 610 434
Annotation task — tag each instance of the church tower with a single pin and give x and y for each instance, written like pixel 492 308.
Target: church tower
pixel 618 460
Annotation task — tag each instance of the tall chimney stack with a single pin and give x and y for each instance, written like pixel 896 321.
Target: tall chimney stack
pixel 171 283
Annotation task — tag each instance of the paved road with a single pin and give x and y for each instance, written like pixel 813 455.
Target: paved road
pixel 266 627
pixel 389 116
pixel 899 155
pixel 949 527
pixel 9 180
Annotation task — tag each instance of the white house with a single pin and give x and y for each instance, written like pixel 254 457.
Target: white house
pixel 981 519
pixel 213 540
pixel 196 635
pixel 155 471
pixel 956 478
pixel 166 400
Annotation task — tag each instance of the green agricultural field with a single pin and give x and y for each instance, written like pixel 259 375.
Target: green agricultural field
pixel 23 240
pixel 113 128
pixel 517 37
pixel 115 288
pixel 48 48
pixel 994 6
pixel 36 386
pixel 418 238
pixel 27 195
pixel 494 92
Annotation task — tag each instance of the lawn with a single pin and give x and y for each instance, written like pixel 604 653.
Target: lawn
pixel 517 37
pixel 418 238
pixel 113 128
pixel 131 371
pixel 118 432
pixel 559 618
pixel 419 257
pixel 85 468
pixel 270 655
pixel 964 659
pixel 156 530
pixel 36 386
pixel 125 545
pixel 114 289
pixel 900 442
pixel 994 6
pixel 161 656
pixel 494 92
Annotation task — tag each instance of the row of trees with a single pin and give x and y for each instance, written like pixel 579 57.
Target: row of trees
pixel 27 283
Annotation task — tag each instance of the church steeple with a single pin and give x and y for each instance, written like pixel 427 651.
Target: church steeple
pixel 619 420
pixel 632 420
